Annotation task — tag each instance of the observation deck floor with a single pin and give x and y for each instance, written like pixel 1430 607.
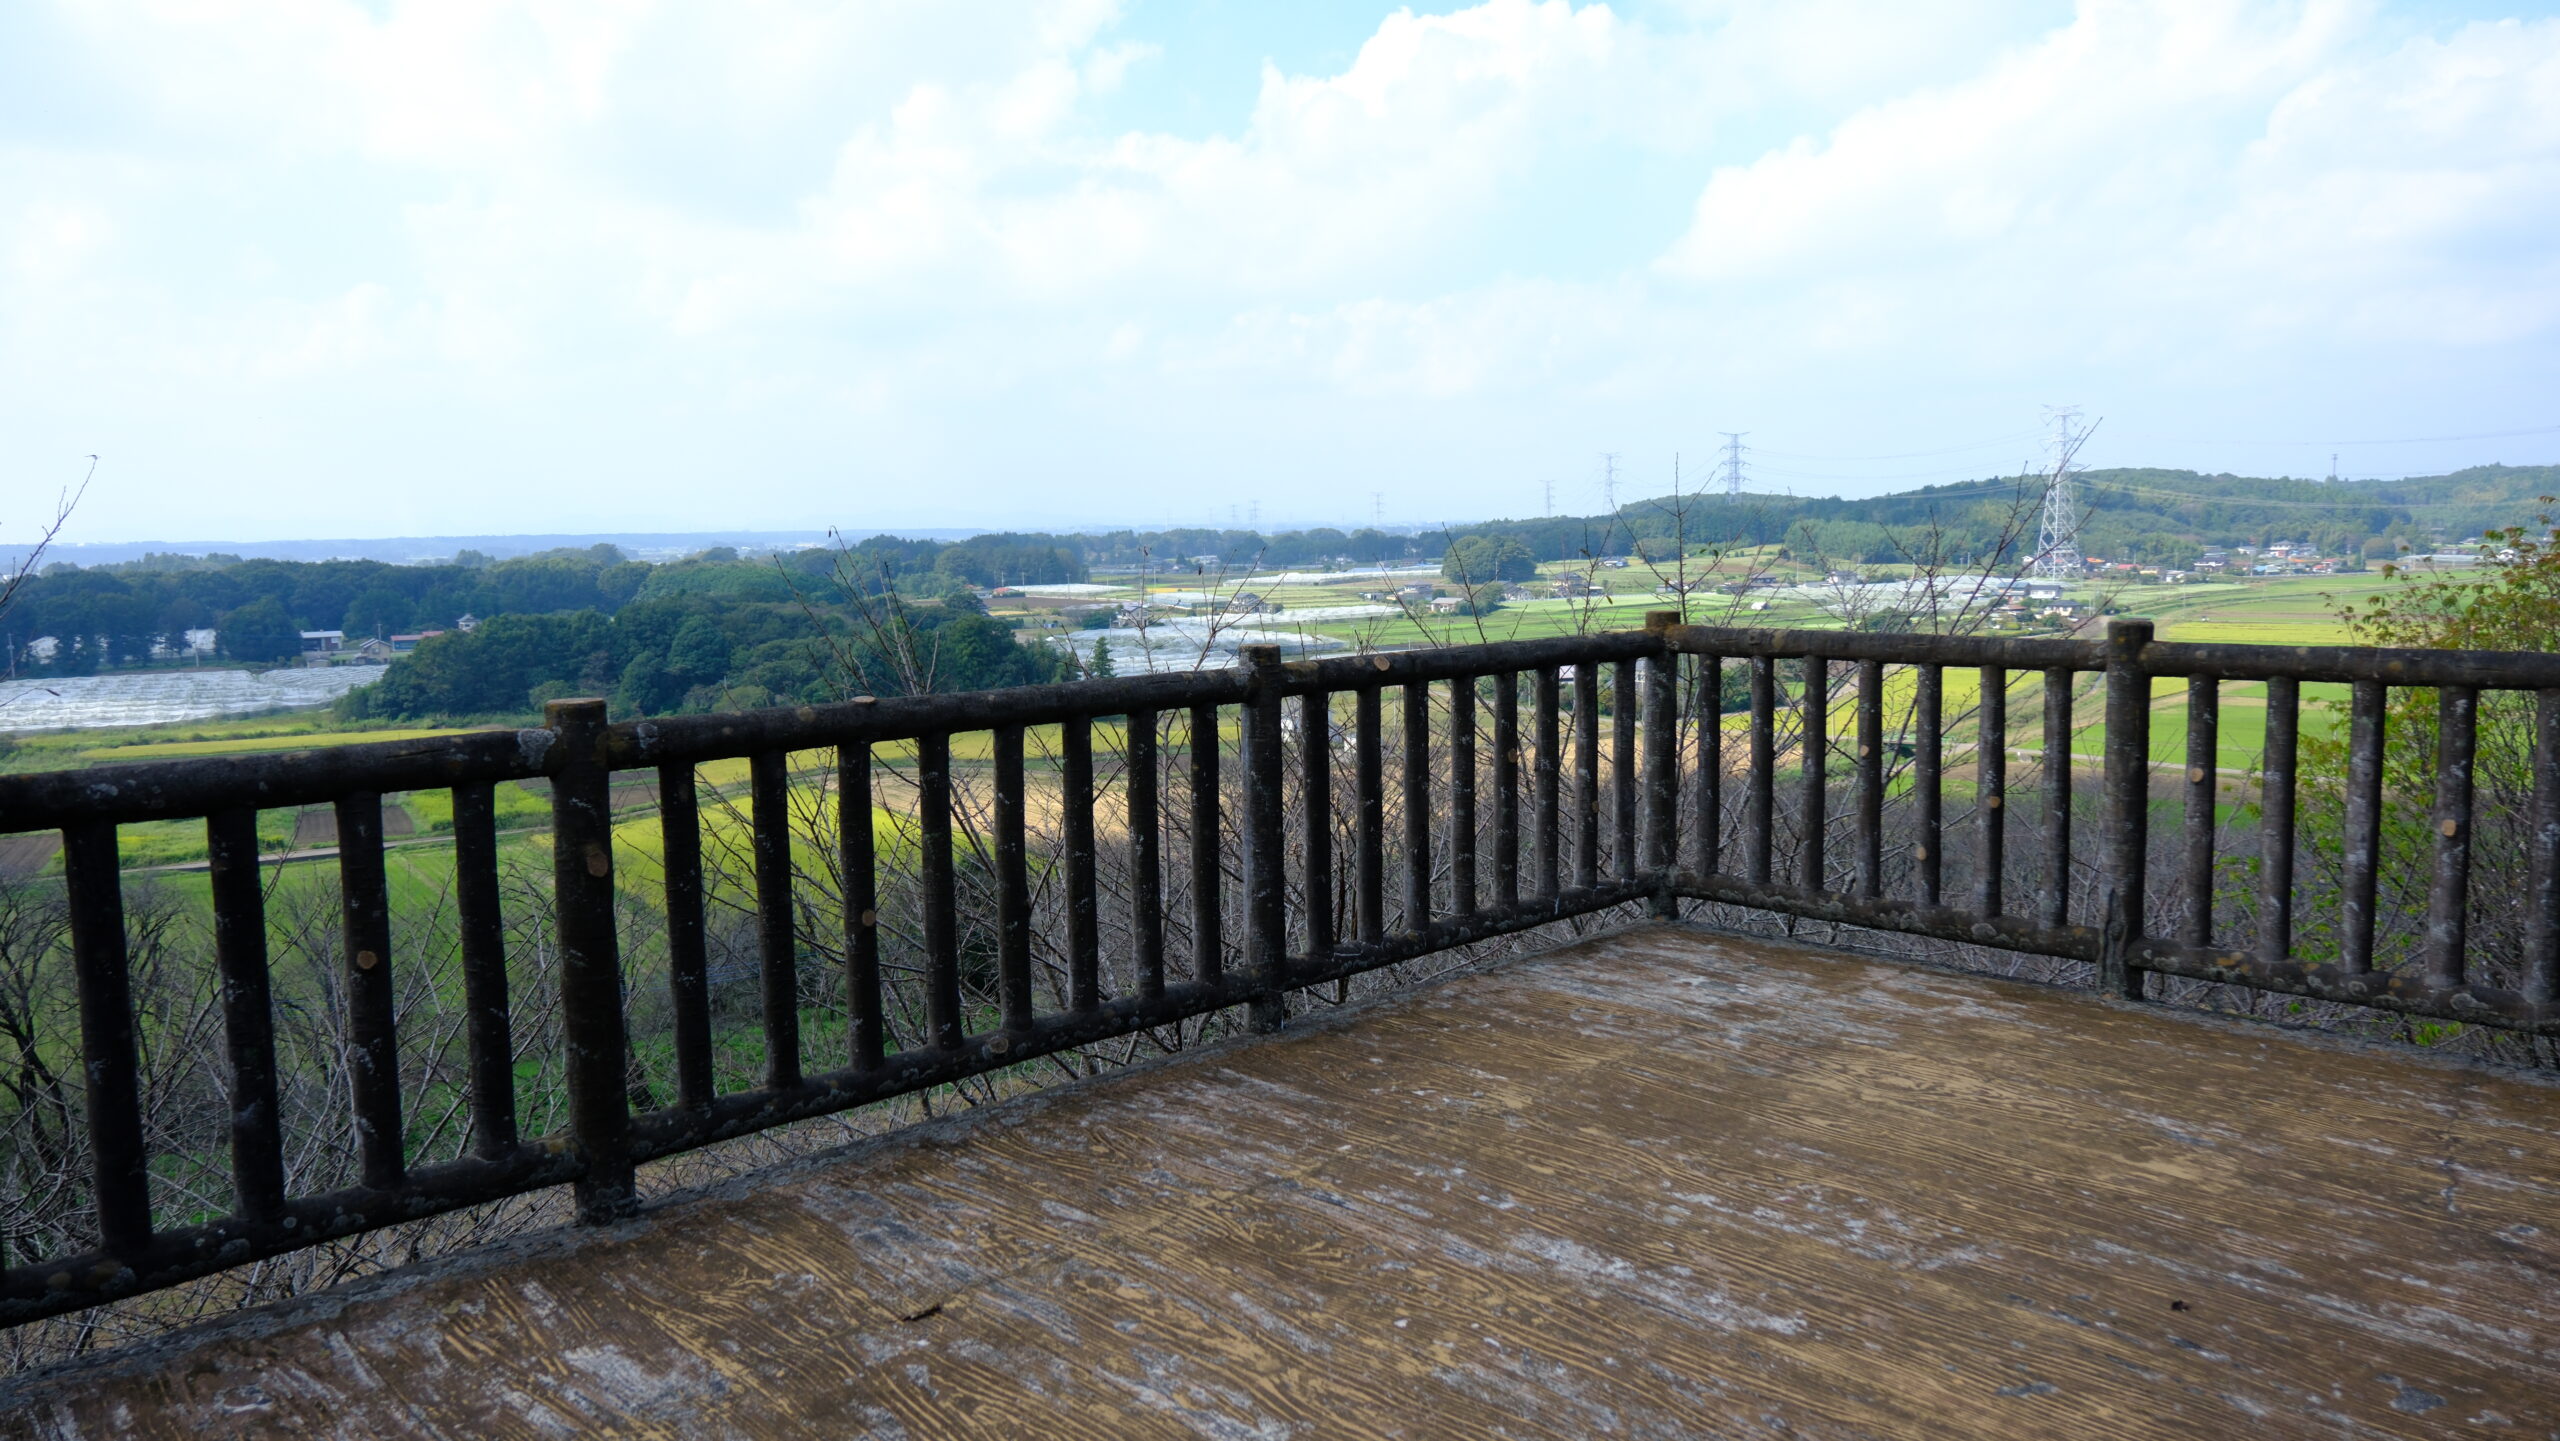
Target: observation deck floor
pixel 1659 1183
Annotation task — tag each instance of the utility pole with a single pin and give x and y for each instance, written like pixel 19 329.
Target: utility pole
pixel 1733 461
pixel 2058 538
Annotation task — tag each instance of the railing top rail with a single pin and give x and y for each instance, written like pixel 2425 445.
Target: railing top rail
pixel 1899 647
pixel 2487 669
pixel 182 789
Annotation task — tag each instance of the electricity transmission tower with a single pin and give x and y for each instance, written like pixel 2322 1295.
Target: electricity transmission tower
pixel 1733 461
pixel 2058 539
pixel 1609 482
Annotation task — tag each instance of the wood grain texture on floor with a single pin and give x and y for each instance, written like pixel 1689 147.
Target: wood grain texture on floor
pixel 1661 1184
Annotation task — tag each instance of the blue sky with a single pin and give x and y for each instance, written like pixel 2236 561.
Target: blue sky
pixel 319 267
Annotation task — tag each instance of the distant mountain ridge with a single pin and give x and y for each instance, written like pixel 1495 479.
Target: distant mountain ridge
pixel 2146 514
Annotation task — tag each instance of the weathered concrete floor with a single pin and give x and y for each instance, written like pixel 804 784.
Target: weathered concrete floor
pixel 1656 1185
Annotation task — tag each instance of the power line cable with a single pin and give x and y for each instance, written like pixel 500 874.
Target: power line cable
pixel 2404 440
pixel 2015 485
pixel 2008 439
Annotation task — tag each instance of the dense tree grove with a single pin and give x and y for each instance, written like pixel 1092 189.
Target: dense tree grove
pixel 699 653
pixel 1485 559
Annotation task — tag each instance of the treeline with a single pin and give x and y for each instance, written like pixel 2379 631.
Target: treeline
pixel 2162 517
pixel 117 615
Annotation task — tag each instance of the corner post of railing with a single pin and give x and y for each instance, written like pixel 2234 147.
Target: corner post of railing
pixel 2128 804
pixel 590 960
pixel 1265 863
pixel 1661 782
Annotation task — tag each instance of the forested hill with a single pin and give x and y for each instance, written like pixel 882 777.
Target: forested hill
pixel 2163 516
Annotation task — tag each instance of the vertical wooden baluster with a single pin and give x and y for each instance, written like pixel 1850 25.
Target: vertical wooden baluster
pixel 1547 784
pixel 1417 807
pixel 1708 787
pixel 373 1048
pixel 2204 783
pixel 1624 703
pixel 1586 775
pixel 1370 782
pixel 1759 802
pixel 594 1041
pixel 1315 784
pixel 2053 896
pixel 1870 821
pixel 856 849
pixel 1266 865
pixel 1661 848
pixel 487 1027
pixel 1991 788
pixel 1013 885
pixel 1146 851
pixel 1928 780
pixel 1506 790
pixel 2128 802
pixel 248 1017
pixel 1462 796
pixel 688 957
pixel 1208 882
pixel 943 1019
pixel 2275 874
pixel 1084 921
pixel 2542 857
pixel 2363 841
pixel 1813 709
pixel 110 1058
pixel 2448 898
pixel 777 938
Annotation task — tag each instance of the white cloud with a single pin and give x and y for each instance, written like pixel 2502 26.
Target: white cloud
pixel 1516 225
pixel 2201 166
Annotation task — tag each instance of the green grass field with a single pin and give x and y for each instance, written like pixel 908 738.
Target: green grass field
pixel 254 745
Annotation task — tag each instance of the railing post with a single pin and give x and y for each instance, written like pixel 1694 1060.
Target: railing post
pixel 248 1012
pixel 1265 864
pixel 2449 894
pixel 590 960
pixel 2128 800
pixel 777 927
pixel 1661 780
pixel 110 1058
pixel 484 964
pixel 2275 809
